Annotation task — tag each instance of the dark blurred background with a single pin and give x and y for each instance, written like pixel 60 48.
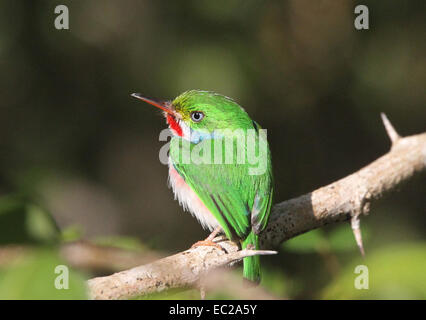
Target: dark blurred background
pixel 73 141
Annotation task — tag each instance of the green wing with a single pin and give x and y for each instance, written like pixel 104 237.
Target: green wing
pixel 240 202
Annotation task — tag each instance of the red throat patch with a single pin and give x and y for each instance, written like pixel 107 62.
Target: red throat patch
pixel 174 125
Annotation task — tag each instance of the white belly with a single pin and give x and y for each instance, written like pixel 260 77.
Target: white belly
pixel 189 200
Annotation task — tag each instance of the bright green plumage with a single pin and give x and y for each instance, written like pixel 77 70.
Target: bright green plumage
pixel 239 201
pixel 230 188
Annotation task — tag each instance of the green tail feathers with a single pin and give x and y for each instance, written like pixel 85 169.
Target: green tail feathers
pixel 251 265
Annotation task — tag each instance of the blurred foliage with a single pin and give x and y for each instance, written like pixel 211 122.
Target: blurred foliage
pixel 125 243
pixel 71 233
pixel 29 272
pixel 24 222
pixel 79 157
pixel 339 238
pixel 395 272
pixel 33 277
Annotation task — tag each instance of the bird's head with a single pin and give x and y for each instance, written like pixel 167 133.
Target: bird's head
pixel 197 110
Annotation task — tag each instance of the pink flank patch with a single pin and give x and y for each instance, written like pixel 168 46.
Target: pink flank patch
pixel 189 200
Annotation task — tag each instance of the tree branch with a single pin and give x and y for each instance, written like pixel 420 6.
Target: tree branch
pixel 346 199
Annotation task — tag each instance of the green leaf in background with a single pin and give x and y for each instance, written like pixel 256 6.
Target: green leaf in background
pixel 40 224
pixel 395 272
pixel 24 222
pixel 33 277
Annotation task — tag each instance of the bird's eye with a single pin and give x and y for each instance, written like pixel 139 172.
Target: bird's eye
pixel 197 116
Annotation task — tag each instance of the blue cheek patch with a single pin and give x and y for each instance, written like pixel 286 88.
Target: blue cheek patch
pixel 198 136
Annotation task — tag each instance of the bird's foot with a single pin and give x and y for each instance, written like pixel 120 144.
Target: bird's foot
pixel 207 243
pixel 250 247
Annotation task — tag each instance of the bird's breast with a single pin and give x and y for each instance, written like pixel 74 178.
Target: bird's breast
pixel 189 200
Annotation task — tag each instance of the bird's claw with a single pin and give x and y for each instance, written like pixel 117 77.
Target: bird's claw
pixel 207 243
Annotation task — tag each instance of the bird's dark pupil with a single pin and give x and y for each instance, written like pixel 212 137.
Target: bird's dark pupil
pixel 196 115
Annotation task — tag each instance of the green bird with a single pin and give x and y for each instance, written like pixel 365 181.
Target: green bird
pixel 220 182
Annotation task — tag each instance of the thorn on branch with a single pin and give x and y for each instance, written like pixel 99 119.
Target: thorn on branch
pixel 249 253
pixel 393 135
pixel 356 229
pixel 237 256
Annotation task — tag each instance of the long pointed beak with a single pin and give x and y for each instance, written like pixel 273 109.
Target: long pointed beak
pixel 161 105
